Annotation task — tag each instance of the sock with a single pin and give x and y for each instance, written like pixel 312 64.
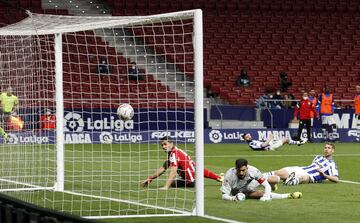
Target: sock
pixel 211 175
pixel 278 196
pixel 293 142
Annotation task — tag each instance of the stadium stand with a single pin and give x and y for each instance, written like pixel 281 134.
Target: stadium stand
pixel 315 42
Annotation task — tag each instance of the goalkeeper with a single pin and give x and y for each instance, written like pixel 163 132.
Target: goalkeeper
pixel 8 103
pixel 179 163
pixel 242 182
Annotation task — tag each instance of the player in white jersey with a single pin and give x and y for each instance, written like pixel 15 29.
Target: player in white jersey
pixel 322 168
pixel 270 143
pixel 242 182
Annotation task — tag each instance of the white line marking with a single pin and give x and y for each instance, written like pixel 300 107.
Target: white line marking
pixel 349 182
pixel 278 155
pixel 222 219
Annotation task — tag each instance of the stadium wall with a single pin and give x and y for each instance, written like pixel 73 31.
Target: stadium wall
pixel 181 136
pixel 92 126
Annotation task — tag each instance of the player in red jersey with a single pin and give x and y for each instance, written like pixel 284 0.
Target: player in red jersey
pixel 179 163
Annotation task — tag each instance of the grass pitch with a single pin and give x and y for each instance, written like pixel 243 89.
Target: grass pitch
pixel 325 202
pixel 95 169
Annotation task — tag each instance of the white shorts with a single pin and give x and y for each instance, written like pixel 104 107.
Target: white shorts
pixel 327 119
pixel 274 144
pixel 298 171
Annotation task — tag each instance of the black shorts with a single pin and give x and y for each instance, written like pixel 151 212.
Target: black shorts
pixel 183 183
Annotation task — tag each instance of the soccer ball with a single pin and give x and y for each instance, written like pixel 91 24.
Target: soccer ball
pixel 125 112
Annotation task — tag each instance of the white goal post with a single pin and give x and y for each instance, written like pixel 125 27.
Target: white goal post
pixel 79 69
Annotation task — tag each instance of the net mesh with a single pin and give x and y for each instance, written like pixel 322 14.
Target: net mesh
pixel 144 61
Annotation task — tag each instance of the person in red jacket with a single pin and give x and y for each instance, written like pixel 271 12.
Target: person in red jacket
pixel 357 111
pixel 306 109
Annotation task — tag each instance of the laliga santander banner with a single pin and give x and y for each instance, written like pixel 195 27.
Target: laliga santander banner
pixel 212 136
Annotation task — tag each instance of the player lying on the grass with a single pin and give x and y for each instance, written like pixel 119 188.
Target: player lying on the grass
pixel 322 168
pixel 270 143
pixel 179 163
pixel 243 180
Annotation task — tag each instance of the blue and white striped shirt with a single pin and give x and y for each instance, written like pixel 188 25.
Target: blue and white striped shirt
pixel 327 166
pixel 257 145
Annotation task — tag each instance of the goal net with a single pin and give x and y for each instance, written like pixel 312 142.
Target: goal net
pixel 66 147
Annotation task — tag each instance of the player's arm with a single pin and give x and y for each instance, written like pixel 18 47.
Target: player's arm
pixel 266 143
pixel 333 175
pixel 171 178
pixel 334 179
pixel 296 111
pixel 156 174
pixel 226 190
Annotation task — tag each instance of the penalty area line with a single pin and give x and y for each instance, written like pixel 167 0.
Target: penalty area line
pixel 221 219
pixel 349 182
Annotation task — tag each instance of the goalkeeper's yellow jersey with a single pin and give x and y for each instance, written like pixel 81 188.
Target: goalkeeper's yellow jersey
pixel 8 102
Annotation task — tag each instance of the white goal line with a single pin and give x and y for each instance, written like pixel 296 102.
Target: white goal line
pixel 30 187
pixel 125 201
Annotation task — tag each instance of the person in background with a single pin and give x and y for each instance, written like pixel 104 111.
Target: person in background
pixel 357 111
pixel 244 79
pixel 261 101
pixel 326 110
pixel 314 100
pixel 134 73
pixel 103 67
pixel 306 110
pixel 9 103
pixel 47 120
pixel 284 82
pixel 288 101
pixel 278 104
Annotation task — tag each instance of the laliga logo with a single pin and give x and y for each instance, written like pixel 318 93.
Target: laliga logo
pixel 12 139
pixel 73 122
pixel 106 137
pixel 215 136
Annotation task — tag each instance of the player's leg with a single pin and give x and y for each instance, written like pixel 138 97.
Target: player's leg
pixel 2 123
pixel 182 183
pixel 212 175
pixel 333 128
pixel 293 142
pixel 274 175
pixel 274 144
pixel 298 176
pixel 324 127
pixel 308 129
pixel 259 194
pixel 294 195
pixel 255 194
pixel 300 129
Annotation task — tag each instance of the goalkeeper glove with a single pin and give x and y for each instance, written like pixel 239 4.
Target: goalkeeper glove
pixel 239 197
